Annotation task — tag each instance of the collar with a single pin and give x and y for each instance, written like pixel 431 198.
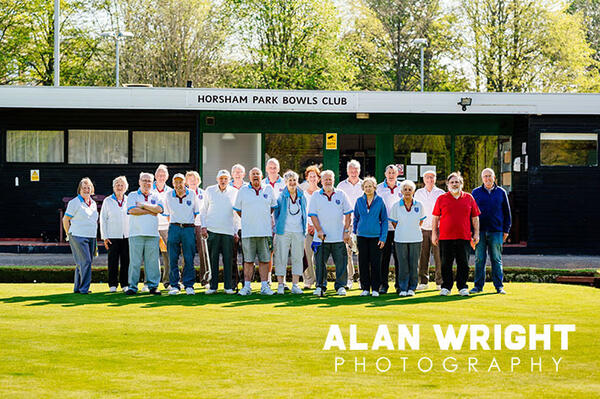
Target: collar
pixel 80 198
pixel 160 191
pixel 386 185
pixel 187 192
pixel 266 180
pixel 353 185
pixel 233 185
pixel 286 192
pixel 492 189
pixel 328 197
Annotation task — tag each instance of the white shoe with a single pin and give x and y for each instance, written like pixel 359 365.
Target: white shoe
pixel 296 290
pixel 210 292
pixel 501 291
pixel 438 287
pixel 402 293
pixel 318 292
pixel 341 291
pixel 145 288
pixel 190 291
pixel 375 293
pixel 421 287
pixel 245 291
pixel 113 289
pixel 280 289
pixel 349 284
pixel 444 292
pixel 181 287
pixel 125 288
pixel 364 293
pixel 174 291
pixel 410 293
pixel 206 286
pixel 266 290
pixel 464 292
pixel 229 291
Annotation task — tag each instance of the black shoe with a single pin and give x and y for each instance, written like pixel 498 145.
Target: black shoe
pixel 382 292
pixel 130 292
pixel 85 293
pixel 155 291
pixel 167 285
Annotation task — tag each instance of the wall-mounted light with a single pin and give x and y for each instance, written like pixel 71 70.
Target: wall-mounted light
pixel 465 102
pixel 362 115
pixel 228 136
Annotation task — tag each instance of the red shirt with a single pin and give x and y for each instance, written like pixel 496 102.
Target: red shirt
pixel 455 215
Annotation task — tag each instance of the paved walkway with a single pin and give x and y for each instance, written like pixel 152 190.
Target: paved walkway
pixel 536 261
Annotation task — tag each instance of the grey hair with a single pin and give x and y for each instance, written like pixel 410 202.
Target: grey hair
pixel 391 166
pixel 274 160
pixel 369 179
pixel 142 174
pixel 238 166
pixel 257 168
pixel 290 174
pixel 354 163
pixel 409 183
pixel 328 172
pixel 163 167
pixel 124 179
pixel 488 170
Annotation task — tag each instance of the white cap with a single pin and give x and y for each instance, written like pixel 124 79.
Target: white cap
pixel 223 172
pixel 179 176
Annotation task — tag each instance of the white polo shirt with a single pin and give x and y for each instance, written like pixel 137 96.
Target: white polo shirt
pixel 390 197
pixel 217 214
pixel 308 199
pixel 163 222
pixel 428 198
pixel 330 211
pixel 114 221
pixel 277 187
pixel 353 191
pixel 256 210
pixel 200 197
pixel 84 217
pixel 182 209
pixel 407 229
pixel 143 225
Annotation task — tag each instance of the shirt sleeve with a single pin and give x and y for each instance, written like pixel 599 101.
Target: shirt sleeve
pixel 237 206
pixel 346 202
pixel 312 207
pixel 393 217
pixel 131 203
pixel 72 208
pixel 383 228
pixel 164 205
pixel 421 212
pixel 437 208
pixel 274 203
pixel 474 208
pixel 204 208
pixel 103 218
pixel 356 217
pixel 197 203
pixel 507 218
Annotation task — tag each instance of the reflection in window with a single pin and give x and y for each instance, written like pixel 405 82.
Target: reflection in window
pixel 294 151
pixel 569 149
pixel 35 146
pixel 98 146
pixel 437 153
pixel 168 147
pixel 475 153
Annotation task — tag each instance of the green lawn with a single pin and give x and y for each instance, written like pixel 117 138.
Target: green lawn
pixel 57 344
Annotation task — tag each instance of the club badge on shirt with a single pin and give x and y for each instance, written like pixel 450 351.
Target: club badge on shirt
pixel 189 202
pixel 337 201
pixel 265 195
pixel 153 201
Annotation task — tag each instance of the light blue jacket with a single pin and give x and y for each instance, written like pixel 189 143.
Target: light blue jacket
pixel 280 213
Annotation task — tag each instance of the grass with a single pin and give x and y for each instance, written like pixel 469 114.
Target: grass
pixel 54 343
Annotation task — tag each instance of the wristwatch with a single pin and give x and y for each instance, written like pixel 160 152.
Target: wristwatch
pixel 346 231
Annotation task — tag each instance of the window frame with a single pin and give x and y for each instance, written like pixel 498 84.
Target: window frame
pixel 567 131
pixel 29 129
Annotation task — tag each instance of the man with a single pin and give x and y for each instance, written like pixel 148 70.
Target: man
pixel 192 181
pixel 161 189
pixel 330 213
pixel 453 214
pixel 181 207
pixel 352 186
pixel 220 230
pixel 389 191
pixel 495 222
pixel 143 206
pixel 238 172
pixel 427 196
pixel 255 203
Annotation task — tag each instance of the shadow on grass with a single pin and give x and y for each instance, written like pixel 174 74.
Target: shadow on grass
pixel 232 301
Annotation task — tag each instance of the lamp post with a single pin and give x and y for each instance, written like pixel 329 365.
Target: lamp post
pixel 421 43
pixel 56 42
pixel 117 36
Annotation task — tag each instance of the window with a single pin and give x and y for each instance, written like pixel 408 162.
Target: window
pixel 427 152
pixel 35 146
pixel 569 149
pixel 167 147
pixel 223 150
pixel 98 146
pixel 294 151
pixel 472 154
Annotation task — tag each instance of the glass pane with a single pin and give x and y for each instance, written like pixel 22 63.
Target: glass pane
pixel 166 147
pixel 473 154
pixel 35 146
pixel 437 153
pixel 223 150
pixel 360 147
pixel 98 146
pixel 569 149
pixel 295 151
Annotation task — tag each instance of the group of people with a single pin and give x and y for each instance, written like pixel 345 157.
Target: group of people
pixel 280 221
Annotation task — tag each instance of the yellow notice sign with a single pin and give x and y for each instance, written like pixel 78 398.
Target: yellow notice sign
pixel 331 141
pixel 34 174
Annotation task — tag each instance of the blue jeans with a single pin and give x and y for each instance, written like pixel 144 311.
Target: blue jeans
pixel 181 239
pixel 143 248
pixel 489 242
pixel 83 249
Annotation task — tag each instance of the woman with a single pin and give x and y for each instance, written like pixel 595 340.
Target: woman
pixel 312 176
pixel 114 231
pixel 290 231
pixel 407 216
pixel 192 180
pixel 81 225
pixel 370 228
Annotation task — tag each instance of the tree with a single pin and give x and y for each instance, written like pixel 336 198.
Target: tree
pixel 13 34
pixel 290 44
pixel 591 15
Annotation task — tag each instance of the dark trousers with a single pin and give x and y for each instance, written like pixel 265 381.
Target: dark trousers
pixel 369 263
pixel 458 250
pixel 337 250
pixel 235 271
pixel 388 252
pixel 220 244
pixel 118 250
pixel 426 249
